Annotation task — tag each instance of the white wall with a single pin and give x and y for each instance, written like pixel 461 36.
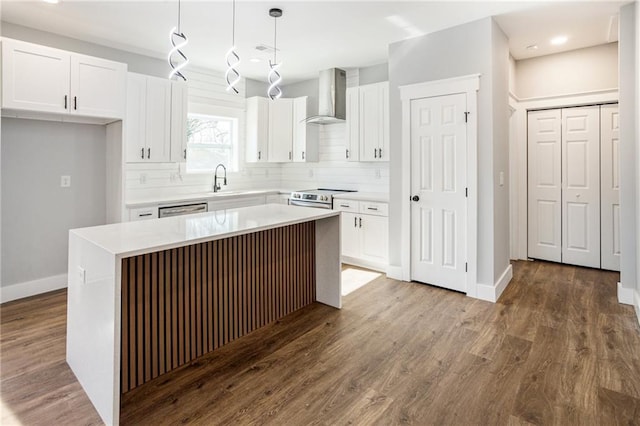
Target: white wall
pixel 36 212
pixel 637 139
pixel 577 71
pixel 458 51
pixel 628 148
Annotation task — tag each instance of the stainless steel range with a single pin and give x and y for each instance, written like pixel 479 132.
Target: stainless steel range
pixel 319 198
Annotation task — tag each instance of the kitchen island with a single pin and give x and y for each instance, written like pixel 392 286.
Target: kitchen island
pixel 147 297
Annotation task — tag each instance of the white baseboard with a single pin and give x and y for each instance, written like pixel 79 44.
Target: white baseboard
pixel 395 272
pixel 625 295
pixel 364 264
pixel 636 305
pixel 491 293
pixel 31 288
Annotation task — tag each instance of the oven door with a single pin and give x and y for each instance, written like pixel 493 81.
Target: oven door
pixel 303 203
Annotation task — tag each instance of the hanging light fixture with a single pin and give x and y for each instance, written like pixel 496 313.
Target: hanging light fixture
pixel 178 40
pixel 274 91
pixel 232 75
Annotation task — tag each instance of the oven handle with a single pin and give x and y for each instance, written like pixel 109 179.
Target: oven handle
pixel 308 204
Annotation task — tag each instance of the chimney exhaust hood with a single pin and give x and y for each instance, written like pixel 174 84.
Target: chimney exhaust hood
pixel 332 94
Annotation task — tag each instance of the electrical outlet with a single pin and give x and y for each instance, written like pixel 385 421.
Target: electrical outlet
pixel 501 178
pixel 310 173
pixel 377 174
pixel 82 275
pixel 143 178
pixel 65 181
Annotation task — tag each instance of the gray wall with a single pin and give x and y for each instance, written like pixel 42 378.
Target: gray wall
pixel 562 73
pixel 255 88
pixel 628 147
pixel 36 212
pixel 374 74
pixel 458 51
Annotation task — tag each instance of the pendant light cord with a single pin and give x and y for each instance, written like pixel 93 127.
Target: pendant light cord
pixel 275 37
pixel 178 16
pixel 233 25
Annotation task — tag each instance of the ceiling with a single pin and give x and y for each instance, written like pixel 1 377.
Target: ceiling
pixel 312 35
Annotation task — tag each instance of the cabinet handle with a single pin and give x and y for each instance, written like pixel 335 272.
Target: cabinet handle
pixel 259 155
pixel 380 153
pixel 345 205
pixel 65 101
pixel 142 153
pixel 303 155
pixel 372 208
pixel 75 102
pixel 346 154
pixel 355 222
pixel 145 214
pixel 289 155
pixel 184 154
pixel 360 224
pixel 375 153
pixel 148 152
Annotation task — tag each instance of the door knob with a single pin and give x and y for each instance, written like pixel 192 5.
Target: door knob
pixel 415 198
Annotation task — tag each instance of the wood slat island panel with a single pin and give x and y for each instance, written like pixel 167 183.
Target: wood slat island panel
pixel 178 304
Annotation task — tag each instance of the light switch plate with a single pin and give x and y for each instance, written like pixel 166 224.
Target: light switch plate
pixel 501 178
pixel 82 275
pixel 65 181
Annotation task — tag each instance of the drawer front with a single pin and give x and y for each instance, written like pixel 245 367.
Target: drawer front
pixel 373 208
pixel 143 213
pixel 346 206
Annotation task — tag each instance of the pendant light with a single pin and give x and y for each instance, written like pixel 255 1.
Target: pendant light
pixel 274 91
pixel 178 40
pixel 232 75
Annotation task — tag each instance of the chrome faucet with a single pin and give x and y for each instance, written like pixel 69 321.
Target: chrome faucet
pixel 216 186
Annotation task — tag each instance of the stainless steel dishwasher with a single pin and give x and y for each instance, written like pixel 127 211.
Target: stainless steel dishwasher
pixel 169 211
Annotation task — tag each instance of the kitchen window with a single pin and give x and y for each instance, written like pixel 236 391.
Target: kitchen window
pixel 211 140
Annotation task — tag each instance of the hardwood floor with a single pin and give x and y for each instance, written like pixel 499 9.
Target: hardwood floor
pixel 556 349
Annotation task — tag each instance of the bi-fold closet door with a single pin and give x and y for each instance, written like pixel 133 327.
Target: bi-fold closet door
pixel 573 207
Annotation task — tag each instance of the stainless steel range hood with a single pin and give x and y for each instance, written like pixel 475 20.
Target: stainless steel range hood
pixel 332 94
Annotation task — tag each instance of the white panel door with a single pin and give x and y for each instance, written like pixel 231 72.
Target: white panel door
pixel 98 87
pixel 610 187
pixel 581 186
pixel 438 183
pixel 34 77
pixel 544 185
pixel 280 130
pixel 158 119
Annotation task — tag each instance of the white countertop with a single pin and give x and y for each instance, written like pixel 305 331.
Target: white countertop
pixel 203 196
pixel 132 238
pixel 379 197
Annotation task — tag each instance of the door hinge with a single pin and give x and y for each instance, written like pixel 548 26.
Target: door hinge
pixel 466 192
pixel 465 266
pixel 466 116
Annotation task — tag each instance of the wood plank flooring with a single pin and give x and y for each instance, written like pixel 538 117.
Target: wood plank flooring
pixel 556 349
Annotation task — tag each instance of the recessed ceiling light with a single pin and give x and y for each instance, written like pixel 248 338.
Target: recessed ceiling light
pixel 559 40
pixel 532 47
pixel 254 60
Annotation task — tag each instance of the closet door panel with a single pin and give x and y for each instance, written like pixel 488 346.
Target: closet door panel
pixel 610 188
pixel 544 185
pixel 581 186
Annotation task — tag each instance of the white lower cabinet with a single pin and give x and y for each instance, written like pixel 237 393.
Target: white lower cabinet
pixel 278 199
pixel 143 213
pixel 365 233
pixel 234 203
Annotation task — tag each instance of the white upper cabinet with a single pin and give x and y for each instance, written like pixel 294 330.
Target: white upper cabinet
pixel 43 79
pixel 257 130
pixel 281 130
pixel 179 110
pixel 352 150
pixel 277 132
pixel 97 86
pixel 148 121
pixel 374 122
pixel 305 137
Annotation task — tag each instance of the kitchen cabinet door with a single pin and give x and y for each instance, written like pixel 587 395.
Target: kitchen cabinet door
pixel 281 130
pixel 374 122
pixel 35 78
pixel 179 110
pixel 98 87
pixel 158 120
pixel 135 121
pixel 374 237
pixel 352 149
pixel 257 130
pixel 350 234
